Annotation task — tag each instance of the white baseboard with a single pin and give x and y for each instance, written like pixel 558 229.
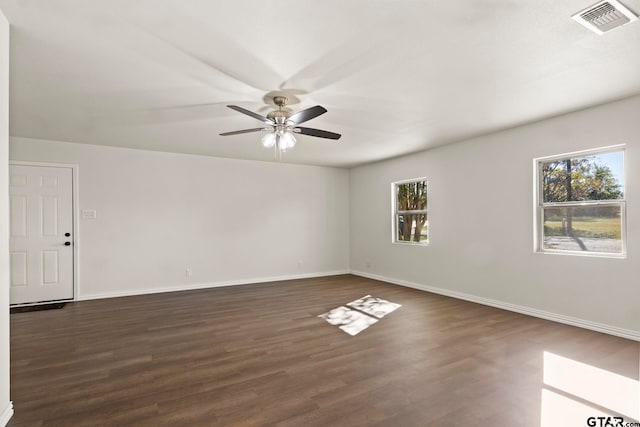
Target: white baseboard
pixel 6 415
pixel 560 318
pixel 193 286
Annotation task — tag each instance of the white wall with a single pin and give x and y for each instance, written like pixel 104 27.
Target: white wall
pixel 5 404
pixel 481 222
pixel 230 221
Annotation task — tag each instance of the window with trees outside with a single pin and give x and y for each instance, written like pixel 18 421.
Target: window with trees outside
pixel 580 203
pixel 410 224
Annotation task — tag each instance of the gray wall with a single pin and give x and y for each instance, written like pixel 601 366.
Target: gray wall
pixel 230 221
pixel 481 223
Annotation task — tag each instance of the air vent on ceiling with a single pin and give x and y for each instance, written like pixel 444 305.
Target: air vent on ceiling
pixel 604 16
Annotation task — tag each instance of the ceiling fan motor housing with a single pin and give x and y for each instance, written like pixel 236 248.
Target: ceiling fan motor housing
pixel 278 116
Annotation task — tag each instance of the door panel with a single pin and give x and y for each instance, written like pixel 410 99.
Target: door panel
pixel 49 216
pixel 50 265
pixel 41 200
pixel 18 216
pixel 18 269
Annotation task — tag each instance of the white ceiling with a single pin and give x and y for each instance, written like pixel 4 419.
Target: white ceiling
pixel 397 76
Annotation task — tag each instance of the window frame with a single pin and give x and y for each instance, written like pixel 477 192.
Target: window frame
pixel 540 205
pixel 395 213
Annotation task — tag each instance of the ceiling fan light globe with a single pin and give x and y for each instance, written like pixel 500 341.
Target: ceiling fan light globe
pixel 287 141
pixel 269 140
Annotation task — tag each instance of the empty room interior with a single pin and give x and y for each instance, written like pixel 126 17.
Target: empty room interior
pixel 303 213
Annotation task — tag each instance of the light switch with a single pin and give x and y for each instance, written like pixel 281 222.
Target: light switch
pixel 89 214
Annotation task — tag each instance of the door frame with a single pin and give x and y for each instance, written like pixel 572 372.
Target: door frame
pixel 75 212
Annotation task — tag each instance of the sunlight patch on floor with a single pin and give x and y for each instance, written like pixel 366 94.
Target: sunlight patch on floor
pixel 374 306
pixel 351 321
pixel 576 391
pixel 360 314
pixel 562 411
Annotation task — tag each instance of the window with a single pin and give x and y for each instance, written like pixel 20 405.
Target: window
pixel 580 203
pixel 409 200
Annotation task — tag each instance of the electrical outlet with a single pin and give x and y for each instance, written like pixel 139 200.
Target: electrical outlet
pixel 299 264
pixel 187 272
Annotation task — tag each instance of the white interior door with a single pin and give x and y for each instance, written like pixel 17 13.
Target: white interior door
pixel 41 226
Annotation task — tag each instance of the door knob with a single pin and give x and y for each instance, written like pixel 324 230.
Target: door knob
pixel 67 234
pixel 67 243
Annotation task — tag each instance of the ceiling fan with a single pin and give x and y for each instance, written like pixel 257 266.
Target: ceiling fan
pixel 281 125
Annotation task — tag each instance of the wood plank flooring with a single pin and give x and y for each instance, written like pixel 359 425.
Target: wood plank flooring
pixel 258 355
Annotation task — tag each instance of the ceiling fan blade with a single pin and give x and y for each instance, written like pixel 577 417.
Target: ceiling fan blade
pixel 238 132
pixel 251 114
pixel 317 132
pixel 307 114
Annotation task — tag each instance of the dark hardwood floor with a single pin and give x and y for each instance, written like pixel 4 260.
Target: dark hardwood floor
pixel 258 355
